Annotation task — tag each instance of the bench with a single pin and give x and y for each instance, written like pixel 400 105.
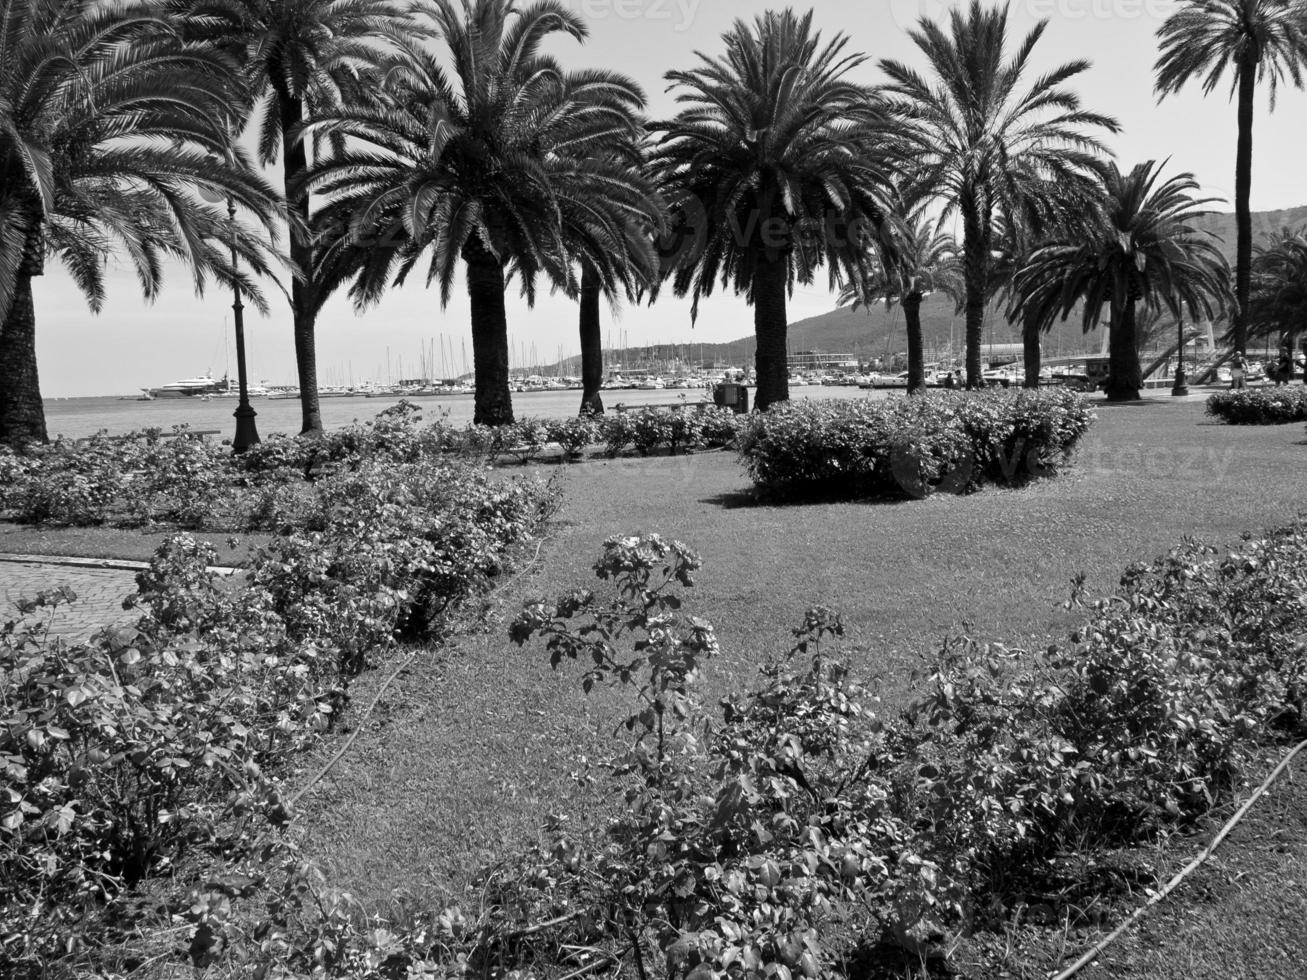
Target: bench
pixel 700 407
pixel 202 433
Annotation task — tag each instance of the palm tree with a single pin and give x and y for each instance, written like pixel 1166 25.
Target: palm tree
pixel 1277 309
pixel 1148 248
pixel 112 136
pixel 1011 256
pixel 301 58
pixel 1255 40
pixel 924 260
pixel 617 257
pixel 499 162
pixel 774 166
pixel 988 148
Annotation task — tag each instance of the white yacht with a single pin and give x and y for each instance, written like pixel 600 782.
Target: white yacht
pixel 190 388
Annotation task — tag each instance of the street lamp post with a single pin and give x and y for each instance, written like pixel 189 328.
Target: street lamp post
pixel 1180 388
pixel 247 433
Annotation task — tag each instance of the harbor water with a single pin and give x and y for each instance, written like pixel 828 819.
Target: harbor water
pixel 75 418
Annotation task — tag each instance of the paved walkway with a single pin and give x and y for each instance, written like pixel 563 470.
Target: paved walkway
pixel 100 592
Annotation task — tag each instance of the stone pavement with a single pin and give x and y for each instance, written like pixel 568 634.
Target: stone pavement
pixel 100 592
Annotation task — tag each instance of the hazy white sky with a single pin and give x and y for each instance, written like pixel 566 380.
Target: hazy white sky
pixel 132 345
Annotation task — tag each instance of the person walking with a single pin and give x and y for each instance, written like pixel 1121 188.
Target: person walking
pixel 1283 367
pixel 1237 365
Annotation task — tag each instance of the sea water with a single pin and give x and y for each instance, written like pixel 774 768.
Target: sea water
pixel 75 418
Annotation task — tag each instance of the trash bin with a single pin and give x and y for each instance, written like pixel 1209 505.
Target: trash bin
pixel 732 395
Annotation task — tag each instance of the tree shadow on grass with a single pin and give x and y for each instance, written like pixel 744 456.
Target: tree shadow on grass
pixel 814 497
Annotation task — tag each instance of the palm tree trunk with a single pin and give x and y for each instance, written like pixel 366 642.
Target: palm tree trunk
pixel 1123 380
pixel 302 300
pixel 916 357
pixel 592 343
pixel 1243 182
pixel 770 324
pixel 22 413
pixel 485 289
pixel 975 258
pixel 1032 356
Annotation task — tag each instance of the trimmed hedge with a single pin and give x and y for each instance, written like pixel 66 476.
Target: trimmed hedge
pixel 1260 406
pixel 913 446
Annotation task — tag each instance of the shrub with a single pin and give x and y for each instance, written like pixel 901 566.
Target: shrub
pixel 122 757
pixel 912 446
pixel 184 481
pixel 1260 406
pixel 574 434
pixel 802 817
pixel 525 439
pixel 719 426
pixel 64 483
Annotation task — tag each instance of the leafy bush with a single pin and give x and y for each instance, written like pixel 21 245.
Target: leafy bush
pixel 182 481
pixel 122 757
pixel 574 434
pixel 719 426
pixel 760 839
pixel 525 439
pixel 66 483
pixel 912 446
pixel 1260 406
pixel 768 838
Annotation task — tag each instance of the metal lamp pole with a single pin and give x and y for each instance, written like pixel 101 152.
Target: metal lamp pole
pixel 1180 388
pixel 247 434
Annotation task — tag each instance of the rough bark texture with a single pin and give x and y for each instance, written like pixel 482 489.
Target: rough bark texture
pixel 1032 356
pixel 975 257
pixel 1243 182
pixel 770 326
pixel 916 355
pixel 592 344
pixel 22 414
pixel 485 288
pixel 295 165
pixel 1123 380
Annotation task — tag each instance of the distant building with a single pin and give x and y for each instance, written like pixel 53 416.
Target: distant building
pixel 816 360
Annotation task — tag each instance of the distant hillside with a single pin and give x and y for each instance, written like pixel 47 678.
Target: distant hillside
pixel 876 333
pixel 1264 223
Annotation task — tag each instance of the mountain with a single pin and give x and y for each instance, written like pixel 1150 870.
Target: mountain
pixel 879 333
pixel 1265 223
pixel 873 335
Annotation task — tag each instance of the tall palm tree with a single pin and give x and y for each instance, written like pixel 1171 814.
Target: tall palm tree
pixel 1011 256
pixel 1277 309
pixel 1147 248
pixel 301 58
pixel 1255 40
pixel 775 165
pixel 924 260
pixel 112 136
pixel 989 147
pixel 499 163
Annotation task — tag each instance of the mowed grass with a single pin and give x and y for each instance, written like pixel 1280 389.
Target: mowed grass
pixel 478 743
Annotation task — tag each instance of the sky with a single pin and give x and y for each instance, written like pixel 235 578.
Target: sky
pixel 132 344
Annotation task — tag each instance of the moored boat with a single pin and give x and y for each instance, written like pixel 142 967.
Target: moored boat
pixel 189 388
